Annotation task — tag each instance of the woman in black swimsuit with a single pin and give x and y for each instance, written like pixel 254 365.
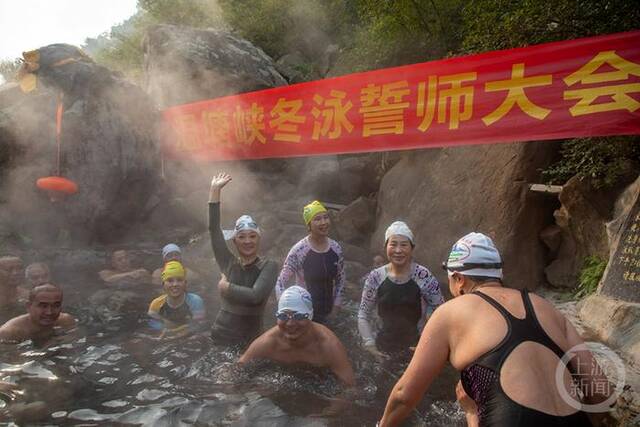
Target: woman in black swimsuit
pixel 506 343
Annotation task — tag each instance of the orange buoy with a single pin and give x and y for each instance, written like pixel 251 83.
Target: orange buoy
pixel 57 184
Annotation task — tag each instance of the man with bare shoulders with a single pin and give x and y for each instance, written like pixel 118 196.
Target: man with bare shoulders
pixel 123 273
pixel 297 340
pixel 11 277
pixel 44 313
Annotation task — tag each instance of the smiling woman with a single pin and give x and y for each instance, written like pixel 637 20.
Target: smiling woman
pixel 63 21
pixel 246 281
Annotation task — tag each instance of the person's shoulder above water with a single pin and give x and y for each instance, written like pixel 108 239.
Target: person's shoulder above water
pixel 157 303
pixel 194 301
pixel 13 329
pixel 333 244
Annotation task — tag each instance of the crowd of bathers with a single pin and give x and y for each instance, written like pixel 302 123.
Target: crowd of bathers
pixel 401 309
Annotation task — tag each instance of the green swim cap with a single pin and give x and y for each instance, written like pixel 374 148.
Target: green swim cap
pixel 311 210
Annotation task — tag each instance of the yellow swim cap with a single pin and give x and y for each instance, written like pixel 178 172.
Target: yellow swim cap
pixel 173 269
pixel 311 210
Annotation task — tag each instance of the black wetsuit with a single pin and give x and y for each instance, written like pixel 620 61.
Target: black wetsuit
pixel 240 317
pixel 481 380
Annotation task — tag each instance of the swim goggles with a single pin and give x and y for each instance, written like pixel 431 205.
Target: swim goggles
pixel 470 266
pixel 291 316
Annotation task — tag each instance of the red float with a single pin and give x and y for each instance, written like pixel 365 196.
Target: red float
pixel 57 184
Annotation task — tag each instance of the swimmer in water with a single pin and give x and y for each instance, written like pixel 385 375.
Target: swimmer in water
pixel 11 277
pixel 316 263
pixel 172 252
pixel 403 293
pixel 37 274
pixel 296 339
pixel 246 281
pixel 177 312
pixel 507 344
pixel 44 313
pixel 122 272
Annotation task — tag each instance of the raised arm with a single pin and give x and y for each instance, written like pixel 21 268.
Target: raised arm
pixel 220 250
pixel 261 289
pixel 428 360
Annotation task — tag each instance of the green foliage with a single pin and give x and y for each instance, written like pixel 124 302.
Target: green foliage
pixel 602 160
pixel 8 68
pixel 590 276
pixel 121 48
pixel 502 24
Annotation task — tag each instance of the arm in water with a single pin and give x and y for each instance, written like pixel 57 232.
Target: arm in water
pixel 429 359
pixel 220 250
pixel 260 290
pixel 339 361
pixel 367 305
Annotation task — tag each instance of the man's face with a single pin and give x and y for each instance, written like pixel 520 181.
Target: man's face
pixel 291 329
pixel 45 308
pixel 120 261
pixel 175 287
pixel 37 275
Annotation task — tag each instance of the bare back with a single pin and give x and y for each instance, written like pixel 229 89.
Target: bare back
pixel 527 375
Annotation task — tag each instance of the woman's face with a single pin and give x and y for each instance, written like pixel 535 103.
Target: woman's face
pixel 247 242
pixel 399 250
pixel 319 225
pixel 175 287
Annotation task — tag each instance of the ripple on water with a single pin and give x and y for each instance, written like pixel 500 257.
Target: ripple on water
pixel 151 394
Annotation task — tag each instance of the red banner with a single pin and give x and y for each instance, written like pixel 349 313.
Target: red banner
pixel 575 88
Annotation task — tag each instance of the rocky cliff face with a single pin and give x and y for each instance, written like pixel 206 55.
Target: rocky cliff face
pixel 445 193
pixel 109 148
pixel 186 64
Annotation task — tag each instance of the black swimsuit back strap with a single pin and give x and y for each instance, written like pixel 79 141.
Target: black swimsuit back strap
pixel 505 313
pixel 543 337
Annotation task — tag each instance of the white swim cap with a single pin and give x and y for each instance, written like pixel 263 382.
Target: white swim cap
pixel 171 247
pixel 475 255
pixel 398 228
pixel 297 299
pixel 245 222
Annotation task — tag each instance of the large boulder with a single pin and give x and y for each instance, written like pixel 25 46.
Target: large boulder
pixel 108 147
pixel 582 220
pixel 185 64
pixel 445 193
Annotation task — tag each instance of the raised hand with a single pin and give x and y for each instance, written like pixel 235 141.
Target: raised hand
pixel 220 180
pixel 217 182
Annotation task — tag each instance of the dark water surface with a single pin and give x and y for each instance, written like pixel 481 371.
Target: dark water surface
pixel 112 371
